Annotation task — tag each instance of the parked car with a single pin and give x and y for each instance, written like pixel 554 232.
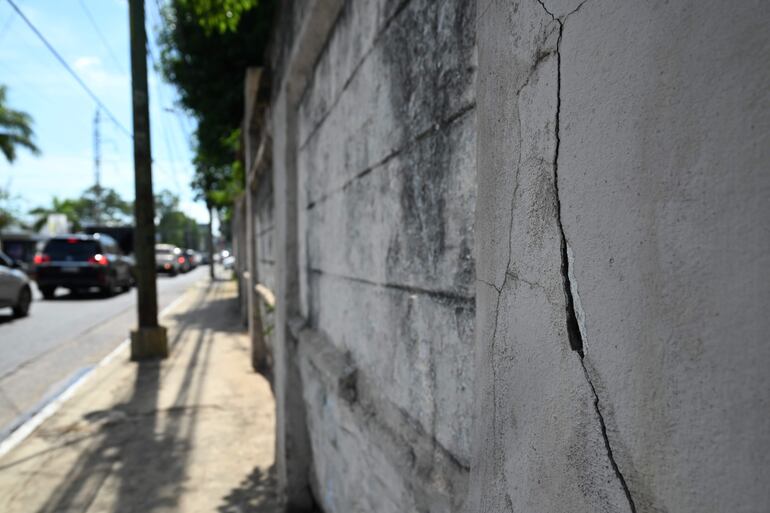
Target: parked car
pixel 186 264
pixel 15 291
pixel 80 262
pixel 193 257
pixel 21 248
pixel 168 259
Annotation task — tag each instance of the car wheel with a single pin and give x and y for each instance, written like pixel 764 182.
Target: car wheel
pixel 21 309
pixel 110 289
pixel 48 292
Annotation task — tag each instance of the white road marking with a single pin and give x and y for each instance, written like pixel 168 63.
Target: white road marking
pixel 55 403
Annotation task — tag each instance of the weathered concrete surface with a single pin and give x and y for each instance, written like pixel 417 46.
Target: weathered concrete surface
pixel 294 457
pixel 382 168
pixel 664 150
pixel 257 157
pixel 621 241
pixel 538 446
pixel 192 433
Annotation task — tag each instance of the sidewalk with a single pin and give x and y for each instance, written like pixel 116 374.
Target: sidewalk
pixel 193 433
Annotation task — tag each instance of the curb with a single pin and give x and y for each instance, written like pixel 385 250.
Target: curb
pixel 41 412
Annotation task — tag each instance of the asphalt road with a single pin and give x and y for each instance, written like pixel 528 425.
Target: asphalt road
pixel 62 339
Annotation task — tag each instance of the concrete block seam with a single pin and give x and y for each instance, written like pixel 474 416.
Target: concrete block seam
pixel 431 468
pixel 574 332
pixel 433 128
pixel 396 12
pixel 446 296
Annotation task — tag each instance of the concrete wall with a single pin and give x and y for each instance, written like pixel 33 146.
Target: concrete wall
pixel 622 251
pixel 264 229
pixel 371 225
pixel 239 227
pixel 518 251
pixel 259 218
pixel 386 196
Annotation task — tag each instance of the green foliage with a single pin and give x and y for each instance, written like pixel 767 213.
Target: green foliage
pixel 165 202
pixel 206 47
pixel 219 15
pixel 9 209
pixel 174 227
pixel 15 129
pixel 113 209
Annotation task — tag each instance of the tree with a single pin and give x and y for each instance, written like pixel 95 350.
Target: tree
pixel 165 202
pixel 174 226
pixel 71 208
pixel 112 209
pixel 206 47
pixel 9 209
pixel 15 129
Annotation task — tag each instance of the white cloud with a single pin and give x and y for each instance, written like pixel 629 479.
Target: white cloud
pixel 86 63
pixel 93 72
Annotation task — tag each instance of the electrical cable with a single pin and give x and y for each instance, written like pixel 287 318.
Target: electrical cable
pixel 171 148
pixel 69 69
pixel 164 128
pixel 95 25
pixel 183 127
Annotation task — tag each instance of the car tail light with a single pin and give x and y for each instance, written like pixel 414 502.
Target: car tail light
pixel 42 258
pixel 99 259
pixel 180 260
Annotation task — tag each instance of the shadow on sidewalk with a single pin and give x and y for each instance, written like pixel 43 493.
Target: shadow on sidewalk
pixel 139 459
pixel 256 494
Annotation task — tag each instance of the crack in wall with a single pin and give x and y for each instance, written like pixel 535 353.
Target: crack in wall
pixel 574 332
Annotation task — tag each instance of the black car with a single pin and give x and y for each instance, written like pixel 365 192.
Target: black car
pixel 81 262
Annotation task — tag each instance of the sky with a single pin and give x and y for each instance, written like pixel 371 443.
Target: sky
pixel 63 112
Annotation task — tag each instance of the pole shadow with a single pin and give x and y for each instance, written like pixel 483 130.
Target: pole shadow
pixel 142 451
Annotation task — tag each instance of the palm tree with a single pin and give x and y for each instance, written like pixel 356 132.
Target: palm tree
pixel 15 129
pixel 73 209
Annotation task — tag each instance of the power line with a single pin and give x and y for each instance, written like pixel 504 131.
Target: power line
pixel 164 128
pixel 184 129
pixel 6 26
pixel 101 36
pixel 160 9
pixel 170 141
pixel 69 69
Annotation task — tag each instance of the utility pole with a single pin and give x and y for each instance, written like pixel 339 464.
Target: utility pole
pixel 210 241
pixel 149 339
pixel 97 172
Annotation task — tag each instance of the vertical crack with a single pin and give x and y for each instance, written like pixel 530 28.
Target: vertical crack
pixel 573 327
pixel 607 446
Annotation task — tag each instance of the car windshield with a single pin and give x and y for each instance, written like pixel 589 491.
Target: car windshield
pixel 71 249
pixel 162 251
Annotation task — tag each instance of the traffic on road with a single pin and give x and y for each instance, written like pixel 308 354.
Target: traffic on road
pixel 68 304
pixel 81 263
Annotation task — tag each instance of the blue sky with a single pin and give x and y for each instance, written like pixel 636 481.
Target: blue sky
pixel 64 114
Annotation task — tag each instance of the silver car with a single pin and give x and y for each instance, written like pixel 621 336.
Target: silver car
pixel 15 291
pixel 168 259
